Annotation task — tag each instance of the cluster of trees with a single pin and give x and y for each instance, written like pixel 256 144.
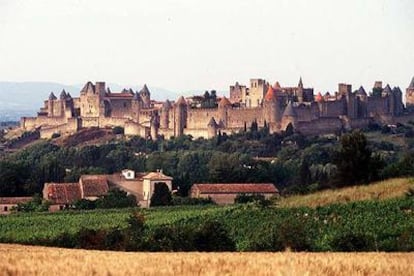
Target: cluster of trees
pixel 293 162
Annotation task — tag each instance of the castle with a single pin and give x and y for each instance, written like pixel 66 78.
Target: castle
pixel 274 106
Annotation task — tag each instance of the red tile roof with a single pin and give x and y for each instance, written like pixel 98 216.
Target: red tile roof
pixel 157 176
pixel 120 95
pixel 94 185
pixel 235 188
pixel 62 193
pixel 14 200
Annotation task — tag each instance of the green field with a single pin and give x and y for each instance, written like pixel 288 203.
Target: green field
pixel 367 222
pixel 28 227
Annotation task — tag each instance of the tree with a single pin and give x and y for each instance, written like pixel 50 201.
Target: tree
pixel 353 160
pixel 116 199
pixel 161 195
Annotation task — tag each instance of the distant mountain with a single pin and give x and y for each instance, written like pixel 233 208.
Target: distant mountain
pixel 25 98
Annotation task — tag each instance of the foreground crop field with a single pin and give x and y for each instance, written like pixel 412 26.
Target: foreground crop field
pixel 24 260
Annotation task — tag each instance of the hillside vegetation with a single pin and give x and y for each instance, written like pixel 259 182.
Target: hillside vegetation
pixel 33 260
pixel 381 190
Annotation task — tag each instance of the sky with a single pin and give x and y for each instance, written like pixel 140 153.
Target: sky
pixel 184 45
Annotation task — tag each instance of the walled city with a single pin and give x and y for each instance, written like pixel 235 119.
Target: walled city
pixel 273 106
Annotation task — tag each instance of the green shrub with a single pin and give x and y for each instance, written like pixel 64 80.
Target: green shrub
pixel 180 200
pixel 161 196
pixel 118 130
pixel 116 199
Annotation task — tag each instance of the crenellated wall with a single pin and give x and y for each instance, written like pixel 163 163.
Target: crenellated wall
pixel 238 117
pixel 322 125
pixel 199 118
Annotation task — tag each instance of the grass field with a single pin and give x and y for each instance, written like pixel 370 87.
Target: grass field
pixel 32 260
pixel 382 190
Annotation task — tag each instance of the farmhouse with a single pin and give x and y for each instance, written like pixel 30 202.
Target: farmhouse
pixel 92 187
pixel 7 203
pixel 141 185
pixel 225 193
pixel 62 195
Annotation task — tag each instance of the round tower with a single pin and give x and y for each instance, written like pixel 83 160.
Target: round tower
pixel 180 117
pixel 212 128
pixel 62 99
pixel 136 107
pixel 271 107
pixel 145 96
pixel 223 107
pixel 289 117
pixel 165 115
pixel 50 103
pixel 154 126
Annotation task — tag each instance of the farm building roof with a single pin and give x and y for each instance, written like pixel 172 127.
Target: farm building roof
pixel 94 185
pixel 235 188
pixel 157 176
pixel 14 200
pixel 62 193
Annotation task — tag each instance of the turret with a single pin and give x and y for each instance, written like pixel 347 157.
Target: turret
pixel 136 104
pixel 180 116
pixel 271 107
pixel 223 107
pixel 62 99
pixel 212 128
pixel 165 115
pixel 89 88
pixel 100 88
pixel 361 94
pixel 154 125
pixel 409 95
pixel 145 96
pixel 50 104
pixel 289 116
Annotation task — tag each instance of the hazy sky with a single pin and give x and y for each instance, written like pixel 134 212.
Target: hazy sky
pixel 186 44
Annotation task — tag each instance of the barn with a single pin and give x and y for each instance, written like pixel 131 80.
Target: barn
pixel 225 193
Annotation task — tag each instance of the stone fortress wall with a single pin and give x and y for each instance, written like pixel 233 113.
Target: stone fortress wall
pixel 271 105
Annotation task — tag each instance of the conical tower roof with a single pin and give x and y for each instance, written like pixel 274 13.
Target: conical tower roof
pixel 361 91
pixel 224 102
pixel 63 95
pixel 289 111
pixel 88 88
pixel 276 86
pixel 396 90
pixel 318 97
pixel 52 96
pixel 166 105
pixel 212 123
pixel 181 101
pixel 271 94
pixel 144 90
pixel 411 86
pixel 387 89
pixel 68 96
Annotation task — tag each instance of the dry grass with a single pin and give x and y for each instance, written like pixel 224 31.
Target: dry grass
pixel 378 191
pixel 31 260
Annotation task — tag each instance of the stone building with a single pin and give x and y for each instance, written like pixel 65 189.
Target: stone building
pixel 92 187
pixel 225 193
pixel 273 105
pixel 8 203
